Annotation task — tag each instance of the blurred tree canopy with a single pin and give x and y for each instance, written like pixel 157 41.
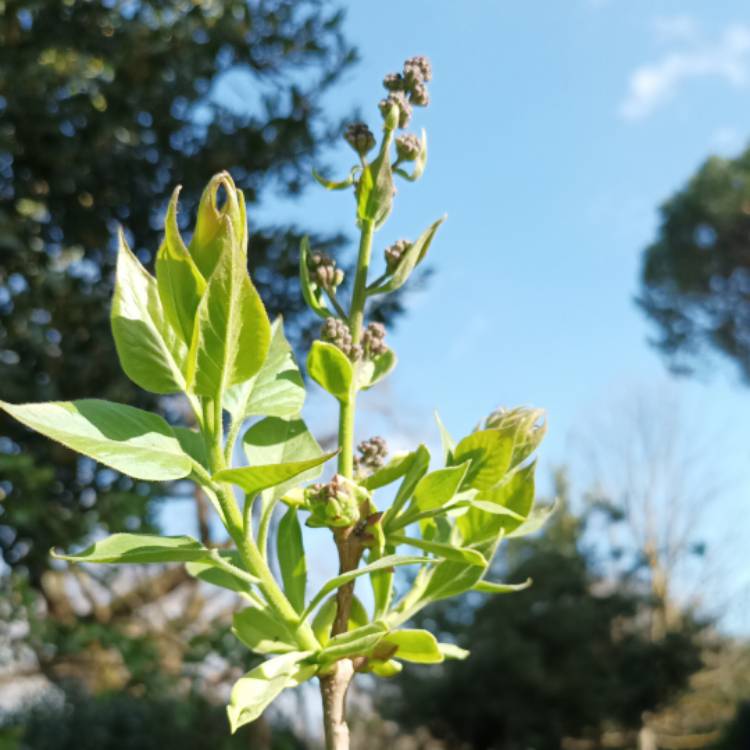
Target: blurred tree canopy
pixel 568 658
pixel 695 279
pixel 104 107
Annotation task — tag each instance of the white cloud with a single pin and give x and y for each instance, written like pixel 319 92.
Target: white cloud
pixel 727 58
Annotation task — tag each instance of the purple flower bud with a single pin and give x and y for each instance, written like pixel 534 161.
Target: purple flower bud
pixel 360 138
pixel 408 147
pixel 418 95
pixel 324 272
pixel 419 67
pixel 373 340
pixel 394 253
pixel 404 108
pixel 372 454
pixel 394 82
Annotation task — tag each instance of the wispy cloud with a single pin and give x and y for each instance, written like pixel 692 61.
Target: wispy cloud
pixel 726 58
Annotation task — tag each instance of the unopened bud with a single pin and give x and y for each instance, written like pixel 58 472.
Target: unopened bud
pixel 360 138
pixel 336 332
pixel 418 95
pixel 394 82
pixel 324 271
pixel 373 340
pixel 397 98
pixel 335 504
pixel 408 147
pixel 418 68
pixel 372 454
pixel 394 253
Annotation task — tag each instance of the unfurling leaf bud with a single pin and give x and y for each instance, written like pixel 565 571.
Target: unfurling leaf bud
pixel 214 226
pixel 335 504
pixel 372 455
pixel 408 147
pixel 418 68
pixel 324 272
pixel 394 253
pixel 397 98
pixel 373 340
pixel 419 96
pixel 360 138
pixel 394 82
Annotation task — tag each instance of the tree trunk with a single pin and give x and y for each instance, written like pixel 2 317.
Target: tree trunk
pixel 333 689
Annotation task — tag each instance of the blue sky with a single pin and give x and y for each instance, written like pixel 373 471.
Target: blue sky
pixel 555 131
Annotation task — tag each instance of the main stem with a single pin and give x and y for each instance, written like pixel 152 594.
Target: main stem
pixel 334 686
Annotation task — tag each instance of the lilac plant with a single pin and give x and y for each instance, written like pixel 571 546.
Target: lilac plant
pixel 199 328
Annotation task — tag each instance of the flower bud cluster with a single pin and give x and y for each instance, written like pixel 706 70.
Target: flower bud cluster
pixel 360 138
pixel 335 504
pixel 393 254
pixel 407 88
pixel 408 147
pixel 324 272
pixel 373 340
pixel 372 455
pixel 336 332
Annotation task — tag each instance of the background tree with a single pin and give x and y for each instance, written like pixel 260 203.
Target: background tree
pixel 103 107
pixel 568 658
pixel 695 278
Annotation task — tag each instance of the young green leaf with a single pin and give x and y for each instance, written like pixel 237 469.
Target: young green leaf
pixel 512 498
pixel 276 390
pixel 232 331
pixel 326 614
pixel 451 651
pixel 292 563
pixel 417 469
pixel 193 444
pixel 263 633
pixel 393 470
pixel 253 692
pixel 450 579
pixel 418 646
pixel 438 488
pixel 254 479
pixel 140 548
pixel 535 521
pixel 352 643
pixel 130 440
pixel 388 668
pixel 150 352
pixel 279 441
pixel 447 442
pixel 390 561
pixel 310 291
pixel 207 570
pixel 411 258
pixel 337 184
pixel 331 369
pixel 380 367
pixel 487 587
pixel 178 279
pixel 490 452
pixel 446 551
pixel 375 188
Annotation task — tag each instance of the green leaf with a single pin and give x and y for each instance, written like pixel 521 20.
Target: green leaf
pixel 263 633
pixel 337 185
pixel 130 440
pixel 381 581
pixel 490 452
pixel 276 390
pixel 389 668
pixel 254 692
pixel 450 579
pixel 381 366
pixel 417 469
pixel 439 487
pixel 418 646
pixel 310 291
pixel 326 614
pixel 193 444
pixel 291 554
pixel 447 551
pixel 207 570
pixel 393 470
pixel 149 350
pixel 232 332
pixel 447 442
pixel 178 279
pixel 411 258
pixel 451 651
pixel 331 369
pixel 140 548
pixel 390 561
pixel 535 521
pixel 353 643
pixel 487 587
pixel 512 498
pixel 254 479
